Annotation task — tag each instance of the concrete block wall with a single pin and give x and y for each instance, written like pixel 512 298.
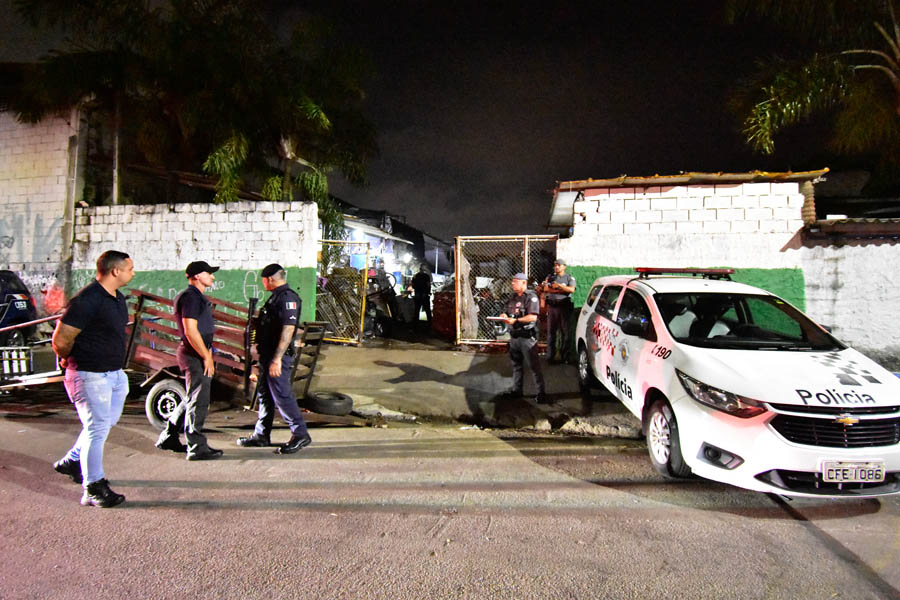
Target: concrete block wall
pixel 749 226
pixel 34 187
pixel 240 237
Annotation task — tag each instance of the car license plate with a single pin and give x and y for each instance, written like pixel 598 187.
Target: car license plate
pixel 21 305
pixel 852 472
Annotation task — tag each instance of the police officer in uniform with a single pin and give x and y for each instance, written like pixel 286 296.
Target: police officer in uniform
pixel 558 288
pixel 275 328
pixel 522 310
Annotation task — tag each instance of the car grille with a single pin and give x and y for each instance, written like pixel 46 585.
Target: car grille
pixel 826 433
pixel 836 410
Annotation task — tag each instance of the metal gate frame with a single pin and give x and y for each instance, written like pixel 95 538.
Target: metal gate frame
pixel 362 286
pixel 460 240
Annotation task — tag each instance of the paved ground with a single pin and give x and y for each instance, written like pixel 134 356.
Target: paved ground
pixel 413 511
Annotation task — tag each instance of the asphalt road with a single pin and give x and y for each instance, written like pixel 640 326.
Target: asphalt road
pixel 413 512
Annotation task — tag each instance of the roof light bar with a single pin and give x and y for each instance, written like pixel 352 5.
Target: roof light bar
pixel 645 272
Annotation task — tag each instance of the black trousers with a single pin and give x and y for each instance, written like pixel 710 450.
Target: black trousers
pixel 420 303
pixel 524 350
pixel 190 415
pixel 558 329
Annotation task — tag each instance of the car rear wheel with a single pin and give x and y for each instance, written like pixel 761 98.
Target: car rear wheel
pixel 663 442
pixel 161 401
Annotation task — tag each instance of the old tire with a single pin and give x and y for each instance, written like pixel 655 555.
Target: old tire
pixel 663 443
pixel 328 403
pixel 14 338
pixel 161 401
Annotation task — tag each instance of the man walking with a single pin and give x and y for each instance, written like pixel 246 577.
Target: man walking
pixel 193 315
pixel 421 287
pixel 90 342
pixel 275 329
pixel 558 288
pixel 522 310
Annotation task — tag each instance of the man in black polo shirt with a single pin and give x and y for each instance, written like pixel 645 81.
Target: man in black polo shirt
pixel 90 342
pixel 275 329
pixel 193 315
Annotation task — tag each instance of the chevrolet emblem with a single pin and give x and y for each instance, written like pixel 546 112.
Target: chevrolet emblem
pixel 846 420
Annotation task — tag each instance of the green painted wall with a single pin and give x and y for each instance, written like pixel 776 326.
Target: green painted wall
pixel 787 283
pixel 234 285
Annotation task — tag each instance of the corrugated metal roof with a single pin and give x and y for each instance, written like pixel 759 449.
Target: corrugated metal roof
pixel 567 191
pixel 691 178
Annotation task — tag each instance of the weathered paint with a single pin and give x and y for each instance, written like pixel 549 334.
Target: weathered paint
pixel 787 283
pixel 233 285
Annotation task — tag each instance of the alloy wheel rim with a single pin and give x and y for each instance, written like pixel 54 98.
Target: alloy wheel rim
pixel 582 366
pixel 658 436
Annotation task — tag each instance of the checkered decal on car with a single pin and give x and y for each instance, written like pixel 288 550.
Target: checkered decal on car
pixel 847 371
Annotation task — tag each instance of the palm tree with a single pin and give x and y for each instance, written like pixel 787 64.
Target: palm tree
pixel 840 59
pixel 206 84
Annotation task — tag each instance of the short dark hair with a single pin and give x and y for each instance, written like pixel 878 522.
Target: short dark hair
pixel 109 260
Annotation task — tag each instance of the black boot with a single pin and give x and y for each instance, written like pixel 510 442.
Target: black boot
pixel 69 467
pixel 255 441
pixel 99 494
pixel 295 443
pixel 167 441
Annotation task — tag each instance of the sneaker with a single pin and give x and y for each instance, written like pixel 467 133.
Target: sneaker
pixel 169 442
pixel 208 454
pixel 99 494
pixel 254 441
pixel 294 444
pixel 69 467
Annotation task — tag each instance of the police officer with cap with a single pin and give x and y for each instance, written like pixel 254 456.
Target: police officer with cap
pixel 276 324
pixel 522 310
pixel 558 287
pixel 193 316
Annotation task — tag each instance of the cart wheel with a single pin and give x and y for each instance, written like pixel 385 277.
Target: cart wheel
pixel 16 338
pixel 328 403
pixel 161 401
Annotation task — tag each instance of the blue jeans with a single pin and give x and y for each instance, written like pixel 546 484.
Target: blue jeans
pixel 98 398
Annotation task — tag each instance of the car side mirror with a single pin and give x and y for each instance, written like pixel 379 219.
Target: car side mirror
pixel 634 326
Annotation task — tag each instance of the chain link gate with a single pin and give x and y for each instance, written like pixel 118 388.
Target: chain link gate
pixel 485 266
pixel 341 290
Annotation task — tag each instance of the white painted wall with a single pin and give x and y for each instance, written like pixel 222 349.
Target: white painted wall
pixel 852 288
pixel 232 236
pixel 34 173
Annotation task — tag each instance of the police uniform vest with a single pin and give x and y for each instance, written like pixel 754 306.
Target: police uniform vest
pixel 517 306
pixel 269 322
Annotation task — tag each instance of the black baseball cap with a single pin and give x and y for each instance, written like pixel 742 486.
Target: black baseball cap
pixel 199 266
pixel 270 270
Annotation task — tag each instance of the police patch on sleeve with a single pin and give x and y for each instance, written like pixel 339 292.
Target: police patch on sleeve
pixel 290 305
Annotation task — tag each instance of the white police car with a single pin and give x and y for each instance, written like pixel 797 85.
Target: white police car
pixel 734 384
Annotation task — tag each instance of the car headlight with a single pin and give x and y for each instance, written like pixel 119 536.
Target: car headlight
pixel 735 405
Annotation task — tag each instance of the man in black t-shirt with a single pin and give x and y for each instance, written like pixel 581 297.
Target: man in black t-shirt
pixel 193 315
pixel 421 286
pixel 90 342
pixel 275 328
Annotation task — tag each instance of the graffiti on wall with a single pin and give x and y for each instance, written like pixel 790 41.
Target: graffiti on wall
pixel 43 233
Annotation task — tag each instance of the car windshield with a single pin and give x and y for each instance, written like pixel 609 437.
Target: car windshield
pixel 741 321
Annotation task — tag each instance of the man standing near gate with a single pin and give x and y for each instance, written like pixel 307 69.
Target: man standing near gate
pixel 193 315
pixel 522 310
pixel 275 329
pixel 558 289
pixel 90 342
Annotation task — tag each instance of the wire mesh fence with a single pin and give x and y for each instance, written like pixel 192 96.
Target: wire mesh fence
pixel 485 267
pixel 341 291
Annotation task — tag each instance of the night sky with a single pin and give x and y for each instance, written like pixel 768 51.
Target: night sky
pixel 481 107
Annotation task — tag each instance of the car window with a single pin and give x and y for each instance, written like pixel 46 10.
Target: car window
pixel 633 308
pixel 11 284
pixel 595 291
pixel 741 321
pixel 607 302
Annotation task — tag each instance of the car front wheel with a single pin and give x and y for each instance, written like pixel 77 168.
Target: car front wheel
pixel 663 442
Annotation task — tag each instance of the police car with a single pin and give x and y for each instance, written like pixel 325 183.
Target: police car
pixel 734 384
